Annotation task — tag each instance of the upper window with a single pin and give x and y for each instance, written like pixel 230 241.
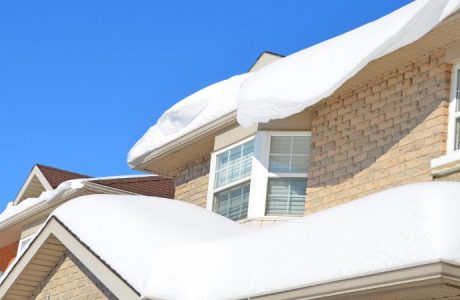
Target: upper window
pixel 454 110
pixel 24 243
pixel 263 175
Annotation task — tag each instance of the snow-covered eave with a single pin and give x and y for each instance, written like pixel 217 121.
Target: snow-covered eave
pixel 63 196
pixel 433 273
pixel 186 140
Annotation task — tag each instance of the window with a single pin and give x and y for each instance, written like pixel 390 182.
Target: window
pixel 24 243
pixel 265 175
pixel 287 174
pixel 454 110
pixel 231 180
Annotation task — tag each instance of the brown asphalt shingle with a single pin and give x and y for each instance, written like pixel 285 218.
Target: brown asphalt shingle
pixel 145 185
pixel 56 176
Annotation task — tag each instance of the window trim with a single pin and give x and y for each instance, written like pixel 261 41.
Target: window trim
pixel 259 173
pixel 453 115
pixel 212 174
pixel 21 247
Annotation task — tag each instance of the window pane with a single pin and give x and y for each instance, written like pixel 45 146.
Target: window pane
pixel 289 154
pixel 457 134
pixel 286 196
pixel 234 164
pixel 233 202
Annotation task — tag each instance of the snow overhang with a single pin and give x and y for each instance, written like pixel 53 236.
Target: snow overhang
pixel 281 88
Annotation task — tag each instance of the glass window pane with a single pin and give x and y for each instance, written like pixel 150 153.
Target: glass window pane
pixel 233 202
pixel 289 154
pixel 234 164
pixel 286 196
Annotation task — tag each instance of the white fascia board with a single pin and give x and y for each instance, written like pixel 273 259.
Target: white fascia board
pixel 186 140
pixel 34 173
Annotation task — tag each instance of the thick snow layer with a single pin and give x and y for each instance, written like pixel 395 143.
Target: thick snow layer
pixel 193 112
pixel 400 227
pixel 129 232
pixel 300 80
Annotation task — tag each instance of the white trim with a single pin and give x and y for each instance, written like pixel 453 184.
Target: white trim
pixel 259 174
pixel 36 172
pixel 111 280
pixel 453 115
pixel 212 174
pixel 21 247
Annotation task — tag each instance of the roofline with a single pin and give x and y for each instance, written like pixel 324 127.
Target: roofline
pixel 34 172
pixel 260 56
pixel 185 140
pixel 423 274
pixel 94 263
pixel 65 196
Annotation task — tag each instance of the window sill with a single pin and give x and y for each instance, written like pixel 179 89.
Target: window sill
pixel 266 220
pixel 446 164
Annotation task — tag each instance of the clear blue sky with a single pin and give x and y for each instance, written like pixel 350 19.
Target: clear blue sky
pixel 81 81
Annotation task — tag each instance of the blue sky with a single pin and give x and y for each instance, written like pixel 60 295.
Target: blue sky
pixel 81 81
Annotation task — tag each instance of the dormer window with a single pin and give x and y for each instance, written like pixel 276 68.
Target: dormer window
pixel 454 110
pixel 264 175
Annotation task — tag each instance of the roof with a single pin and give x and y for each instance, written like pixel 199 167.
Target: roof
pixel 393 240
pixel 144 185
pixel 298 81
pixel 56 176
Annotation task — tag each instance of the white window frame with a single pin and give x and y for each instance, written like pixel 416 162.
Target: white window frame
pixel 453 115
pixel 22 242
pixel 212 174
pixel 259 173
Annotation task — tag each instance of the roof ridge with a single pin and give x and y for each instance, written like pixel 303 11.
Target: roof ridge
pixel 62 170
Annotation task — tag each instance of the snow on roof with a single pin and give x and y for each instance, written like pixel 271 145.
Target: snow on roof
pixel 191 113
pixel 130 232
pixel 302 79
pixel 295 82
pixel 400 227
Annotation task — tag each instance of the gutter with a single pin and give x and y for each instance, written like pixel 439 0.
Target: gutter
pixel 185 140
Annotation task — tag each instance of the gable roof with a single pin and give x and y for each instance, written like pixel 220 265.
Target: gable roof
pixel 400 243
pixel 158 186
pixel 56 176
pixel 264 59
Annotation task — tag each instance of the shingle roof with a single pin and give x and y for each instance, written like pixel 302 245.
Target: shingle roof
pixel 145 185
pixel 56 176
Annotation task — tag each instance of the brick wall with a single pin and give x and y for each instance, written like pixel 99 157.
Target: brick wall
pixel 192 182
pixel 7 254
pixel 381 135
pixel 71 280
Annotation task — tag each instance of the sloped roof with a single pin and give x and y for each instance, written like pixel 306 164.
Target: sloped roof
pixel 144 185
pixel 56 176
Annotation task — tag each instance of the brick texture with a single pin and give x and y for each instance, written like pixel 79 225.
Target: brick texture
pixel 71 280
pixel 7 254
pixel 380 135
pixel 192 182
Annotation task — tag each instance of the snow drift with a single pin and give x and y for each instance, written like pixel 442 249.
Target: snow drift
pixel 291 84
pixel 300 80
pixel 180 251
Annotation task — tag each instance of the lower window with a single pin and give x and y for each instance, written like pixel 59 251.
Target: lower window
pixel 286 196
pixel 233 202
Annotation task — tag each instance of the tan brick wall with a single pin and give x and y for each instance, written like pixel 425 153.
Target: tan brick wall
pixel 71 280
pixel 192 182
pixel 381 135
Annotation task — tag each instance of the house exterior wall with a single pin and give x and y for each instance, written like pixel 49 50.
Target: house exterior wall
pixel 381 135
pixel 71 280
pixel 7 254
pixel 192 182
